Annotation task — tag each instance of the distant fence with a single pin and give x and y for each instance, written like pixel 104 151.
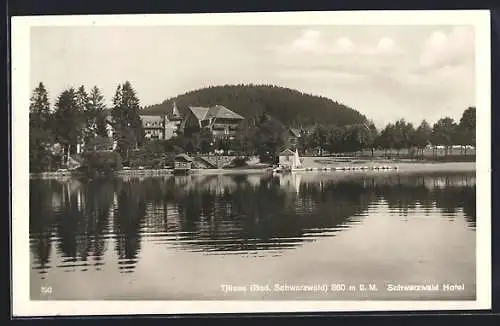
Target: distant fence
pixel 403 153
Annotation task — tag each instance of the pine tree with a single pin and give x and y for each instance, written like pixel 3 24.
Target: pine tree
pixel 117 112
pixel 82 99
pixel 83 107
pixel 95 115
pixel 40 108
pixel 125 113
pixel 41 135
pixel 131 103
pixel 69 120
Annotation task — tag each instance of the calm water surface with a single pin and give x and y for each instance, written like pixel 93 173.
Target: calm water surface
pixel 187 237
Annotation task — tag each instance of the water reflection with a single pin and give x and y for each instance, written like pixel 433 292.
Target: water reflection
pixel 243 214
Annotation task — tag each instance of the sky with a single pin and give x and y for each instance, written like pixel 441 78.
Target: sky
pixel 385 72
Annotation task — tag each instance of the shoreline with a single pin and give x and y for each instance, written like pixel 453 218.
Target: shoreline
pixel 394 168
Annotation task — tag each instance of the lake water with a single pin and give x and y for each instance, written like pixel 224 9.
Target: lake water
pixel 335 235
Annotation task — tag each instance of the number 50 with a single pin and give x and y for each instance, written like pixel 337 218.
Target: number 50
pixel 45 289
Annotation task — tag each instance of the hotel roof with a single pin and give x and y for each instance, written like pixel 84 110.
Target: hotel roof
pixel 199 112
pixel 217 111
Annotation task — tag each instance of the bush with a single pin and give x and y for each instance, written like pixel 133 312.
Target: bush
pixel 150 160
pixel 270 157
pixel 156 163
pixel 101 162
pixel 239 162
pixel 169 159
pixel 41 159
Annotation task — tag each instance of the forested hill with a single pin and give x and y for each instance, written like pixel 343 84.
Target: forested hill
pixel 289 106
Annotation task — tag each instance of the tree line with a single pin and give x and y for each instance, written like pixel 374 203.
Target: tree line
pixel 394 136
pixel 77 117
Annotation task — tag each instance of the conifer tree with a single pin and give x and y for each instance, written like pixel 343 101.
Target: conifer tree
pixel 41 135
pixel 125 113
pixel 40 108
pixel 83 106
pixel 96 109
pixel 68 119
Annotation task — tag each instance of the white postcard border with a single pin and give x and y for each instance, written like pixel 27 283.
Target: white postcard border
pixel 20 59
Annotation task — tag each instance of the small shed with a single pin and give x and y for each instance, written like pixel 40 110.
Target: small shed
pixel 286 157
pixel 182 162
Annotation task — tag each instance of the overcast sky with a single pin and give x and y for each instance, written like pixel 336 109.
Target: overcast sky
pixel 387 73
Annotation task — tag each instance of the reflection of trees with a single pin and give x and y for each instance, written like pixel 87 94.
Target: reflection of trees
pixel 40 220
pixel 223 213
pixel 466 197
pixel 403 193
pixel 128 218
pixel 70 225
pixel 78 213
pixel 99 199
pixel 448 193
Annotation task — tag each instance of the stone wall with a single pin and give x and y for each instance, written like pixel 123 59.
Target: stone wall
pixel 216 161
